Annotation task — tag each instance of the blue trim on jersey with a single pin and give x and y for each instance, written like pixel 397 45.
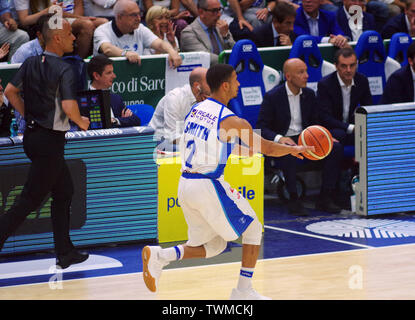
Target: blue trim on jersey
pixel 236 218
pixel 191 109
pixel 189 175
pixel 225 152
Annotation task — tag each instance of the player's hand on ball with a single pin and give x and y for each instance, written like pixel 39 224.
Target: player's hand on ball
pixel 298 150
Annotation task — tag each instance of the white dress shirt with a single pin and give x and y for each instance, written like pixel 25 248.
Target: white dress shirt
pixel 358 29
pixel 346 94
pixel 313 26
pixel 168 118
pixel 296 124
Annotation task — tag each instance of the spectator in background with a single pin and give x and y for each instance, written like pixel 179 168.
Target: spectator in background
pixel 278 32
pixel 179 15
pixel 404 22
pixel 99 8
pixel 126 37
pixel 101 72
pixel 252 14
pixel 208 32
pixel 345 14
pixel 159 22
pixel 168 118
pixel 382 10
pixel 33 47
pixel 29 12
pixel 399 87
pixel 339 94
pixel 283 122
pixel 9 33
pixel 319 23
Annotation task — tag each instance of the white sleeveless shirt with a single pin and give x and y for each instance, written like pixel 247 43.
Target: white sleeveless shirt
pixel 201 149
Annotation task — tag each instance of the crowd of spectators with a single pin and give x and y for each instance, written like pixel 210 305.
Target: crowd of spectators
pixel 194 25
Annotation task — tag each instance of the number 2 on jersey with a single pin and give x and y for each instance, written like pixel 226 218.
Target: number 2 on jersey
pixel 192 146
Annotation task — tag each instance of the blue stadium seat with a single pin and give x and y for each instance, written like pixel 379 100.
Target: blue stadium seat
pixel 249 68
pixel 373 62
pixel 398 47
pixel 143 111
pixel 305 48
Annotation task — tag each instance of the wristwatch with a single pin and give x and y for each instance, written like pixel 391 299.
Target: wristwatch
pixel 123 53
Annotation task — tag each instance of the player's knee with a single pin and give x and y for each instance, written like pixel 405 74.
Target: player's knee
pixel 215 247
pixel 253 234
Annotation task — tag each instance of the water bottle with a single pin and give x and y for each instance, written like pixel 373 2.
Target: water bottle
pixel 13 128
pixel 354 182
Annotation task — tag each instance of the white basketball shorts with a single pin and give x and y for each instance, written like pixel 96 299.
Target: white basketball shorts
pixel 211 208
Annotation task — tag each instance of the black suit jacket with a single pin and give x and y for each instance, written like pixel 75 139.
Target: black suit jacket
pixel 275 116
pixel 368 22
pixel 400 87
pixel 394 25
pixel 330 100
pixel 264 37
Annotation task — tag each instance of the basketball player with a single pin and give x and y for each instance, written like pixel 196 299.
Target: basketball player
pixel 215 213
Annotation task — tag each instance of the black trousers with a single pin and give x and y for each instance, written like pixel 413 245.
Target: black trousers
pixel 48 173
pixel 330 171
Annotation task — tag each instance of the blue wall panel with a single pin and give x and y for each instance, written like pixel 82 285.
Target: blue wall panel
pixel 120 195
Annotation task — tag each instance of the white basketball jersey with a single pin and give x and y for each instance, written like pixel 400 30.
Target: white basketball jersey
pixel 200 148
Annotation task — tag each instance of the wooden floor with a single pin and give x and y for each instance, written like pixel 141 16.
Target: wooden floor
pixel 376 273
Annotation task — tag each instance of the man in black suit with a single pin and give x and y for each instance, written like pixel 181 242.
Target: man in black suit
pixel 279 32
pixel 404 22
pixel 400 86
pixel 340 93
pixel 285 111
pixel 344 15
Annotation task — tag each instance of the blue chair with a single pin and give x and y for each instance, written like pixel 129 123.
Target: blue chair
pixel 249 67
pixel 398 47
pixel 305 48
pixel 143 111
pixel 373 62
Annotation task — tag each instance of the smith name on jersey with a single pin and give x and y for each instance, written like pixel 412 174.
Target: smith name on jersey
pixel 201 149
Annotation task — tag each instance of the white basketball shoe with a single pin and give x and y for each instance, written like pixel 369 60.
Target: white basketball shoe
pixel 248 294
pixel 152 266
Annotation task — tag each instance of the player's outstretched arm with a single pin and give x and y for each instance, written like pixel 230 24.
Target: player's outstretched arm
pixel 237 127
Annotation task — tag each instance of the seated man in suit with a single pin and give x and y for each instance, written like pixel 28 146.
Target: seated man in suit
pixel 101 72
pixel 345 18
pixel 400 86
pixel 340 93
pixel 207 32
pixel 287 110
pixel 279 32
pixel 404 22
pixel 319 23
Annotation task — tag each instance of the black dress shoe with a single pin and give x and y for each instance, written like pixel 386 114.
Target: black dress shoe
pixel 296 207
pixel 73 257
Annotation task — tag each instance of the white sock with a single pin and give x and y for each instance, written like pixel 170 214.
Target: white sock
pixel 245 278
pixel 172 254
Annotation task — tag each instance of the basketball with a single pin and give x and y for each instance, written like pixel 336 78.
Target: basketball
pixel 320 138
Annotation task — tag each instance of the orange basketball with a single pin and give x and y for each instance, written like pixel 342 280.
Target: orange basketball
pixel 320 138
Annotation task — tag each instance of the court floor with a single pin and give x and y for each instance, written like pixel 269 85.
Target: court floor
pixel 319 257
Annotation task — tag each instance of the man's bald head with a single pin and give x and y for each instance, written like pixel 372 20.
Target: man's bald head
pixel 197 74
pixel 292 64
pixel 122 6
pixel 198 84
pixel 295 72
